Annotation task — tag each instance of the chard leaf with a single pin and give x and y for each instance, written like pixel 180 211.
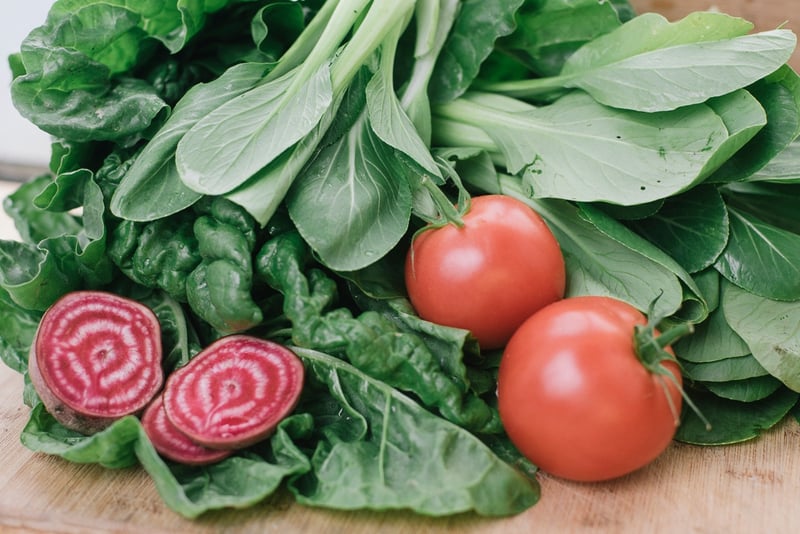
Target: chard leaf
pixel 732 421
pixel 152 187
pixel 478 25
pixel 761 258
pixel 397 455
pixel 16 332
pixel 353 203
pixel 770 328
pixel 692 227
pixel 249 132
pixel 577 149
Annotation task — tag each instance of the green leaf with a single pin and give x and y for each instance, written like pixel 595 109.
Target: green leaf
pixel 394 454
pixel 549 32
pixel 16 333
pixel 779 94
pixel 781 169
pixel 724 370
pixel 598 264
pixel 747 390
pixel 712 340
pixel 761 258
pixel 577 149
pixel 250 131
pixel 770 328
pixel 650 64
pixel 152 187
pixel 112 447
pixel 732 421
pixel 775 204
pixel 353 203
pixel 691 227
pixel 478 25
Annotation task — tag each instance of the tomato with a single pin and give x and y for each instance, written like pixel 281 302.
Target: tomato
pixel 488 275
pixel 574 397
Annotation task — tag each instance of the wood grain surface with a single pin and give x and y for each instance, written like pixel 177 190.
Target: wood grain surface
pixel 749 487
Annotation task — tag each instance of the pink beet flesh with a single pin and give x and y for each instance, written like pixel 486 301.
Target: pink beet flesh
pixel 234 393
pixel 96 357
pixel 172 444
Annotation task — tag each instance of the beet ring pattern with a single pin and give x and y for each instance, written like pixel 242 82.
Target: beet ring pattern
pixel 234 392
pixel 96 357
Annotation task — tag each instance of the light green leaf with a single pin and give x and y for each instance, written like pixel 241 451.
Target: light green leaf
pixel 152 187
pixel 243 136
pixel 353 203
pixel 712 340
pixel 770 328
pixel 724 370
pixel 577 149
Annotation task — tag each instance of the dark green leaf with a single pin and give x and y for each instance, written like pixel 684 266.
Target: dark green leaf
pixel 761 258
pixel 724 370
pixel 732 421
pixel 747 390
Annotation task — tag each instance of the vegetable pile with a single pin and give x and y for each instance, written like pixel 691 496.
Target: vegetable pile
pixel 262 168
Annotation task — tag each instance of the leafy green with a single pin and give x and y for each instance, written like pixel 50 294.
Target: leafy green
pixel 733 421
pixel 401 470
pixel 770 328
pixel 650 64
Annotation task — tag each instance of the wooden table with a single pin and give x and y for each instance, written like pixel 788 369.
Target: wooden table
pixel 750 487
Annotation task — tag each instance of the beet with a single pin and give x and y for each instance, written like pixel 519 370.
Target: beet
pixel 234 392
pixel 96 357
pixel 171 443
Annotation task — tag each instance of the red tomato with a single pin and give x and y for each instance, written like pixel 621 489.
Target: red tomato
pixel 489 275
pixel 574 397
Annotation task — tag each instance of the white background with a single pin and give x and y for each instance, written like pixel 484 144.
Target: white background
pixel 20 141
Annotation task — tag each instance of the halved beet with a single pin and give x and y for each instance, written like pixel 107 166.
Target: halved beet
pixel 173 444
pixel 234 392
pixel 96 357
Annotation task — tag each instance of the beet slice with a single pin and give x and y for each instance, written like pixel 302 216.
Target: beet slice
pixel 173 444
pixel 96 357
pixel 234 392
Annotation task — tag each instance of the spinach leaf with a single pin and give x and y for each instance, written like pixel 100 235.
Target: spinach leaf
pixel 478 25
pixel 733 421
pixel 770 328
pixel 238 481
pixel 388 452
pixel 16 332
pixel 372 342
pixel 761 258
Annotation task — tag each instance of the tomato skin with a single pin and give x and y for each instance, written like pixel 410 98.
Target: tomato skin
pixel 575 399
pixel 489 275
